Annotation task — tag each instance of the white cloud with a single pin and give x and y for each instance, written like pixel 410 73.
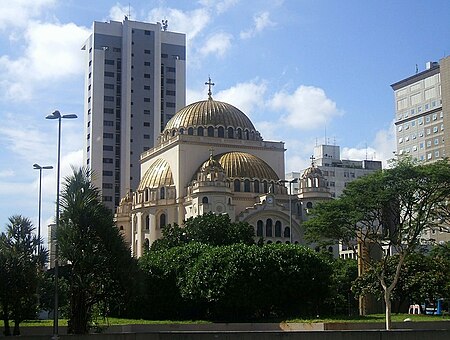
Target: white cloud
pixel 18 13
pixel 217 44
pixel 118 12
pixel 260 22
pixel 220 6
pixel 307 108
pixel 191 22
pixel 380 149
pixel 52 53
pixel 246 96
pixel 6 173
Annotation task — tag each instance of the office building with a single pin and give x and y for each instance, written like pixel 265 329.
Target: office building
pixel 135 81
pixel 422 103
pixel 336 171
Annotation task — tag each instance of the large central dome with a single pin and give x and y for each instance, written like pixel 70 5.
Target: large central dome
pixel 208 113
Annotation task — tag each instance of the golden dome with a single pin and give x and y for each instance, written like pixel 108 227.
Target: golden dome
pixel 158 175
pixel 210 113
pixel 243 165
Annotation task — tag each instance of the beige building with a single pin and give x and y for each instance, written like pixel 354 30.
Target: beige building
pixel 210 158
pixel 422 103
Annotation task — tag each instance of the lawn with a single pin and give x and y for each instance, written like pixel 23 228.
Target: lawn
pixel 337 319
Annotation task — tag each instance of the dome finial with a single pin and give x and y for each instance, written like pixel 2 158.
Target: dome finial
pixel 209 83
pixel 211 152
pixel 312 160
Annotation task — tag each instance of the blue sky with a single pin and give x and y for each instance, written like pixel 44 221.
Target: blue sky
pixel 301 70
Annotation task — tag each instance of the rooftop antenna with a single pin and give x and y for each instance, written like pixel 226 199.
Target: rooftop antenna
pixel 366 151
pixel 316 141
pixel 129 11
pixel 325 134
pixel 417 68
pixel 334 140
pixel 164 24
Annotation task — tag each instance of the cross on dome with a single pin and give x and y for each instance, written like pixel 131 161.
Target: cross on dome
pixel 209 83
pixel 312 160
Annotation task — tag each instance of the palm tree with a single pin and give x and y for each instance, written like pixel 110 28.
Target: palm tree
pixel 98 258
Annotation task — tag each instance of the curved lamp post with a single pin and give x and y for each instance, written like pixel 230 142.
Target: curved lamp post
pixel 57 115
pixel 40 168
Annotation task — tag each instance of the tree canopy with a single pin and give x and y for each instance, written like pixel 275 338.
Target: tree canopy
pixel 20 271
pixel 210 228
pixel 386 211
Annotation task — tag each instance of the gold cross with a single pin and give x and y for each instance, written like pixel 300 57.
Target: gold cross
pixel 209 83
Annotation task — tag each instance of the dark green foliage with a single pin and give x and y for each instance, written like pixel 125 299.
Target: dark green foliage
pixel 209 229
pixel 341 300
pixel 234 282
pixel 20 272
pixel 100 261
pixel 424 277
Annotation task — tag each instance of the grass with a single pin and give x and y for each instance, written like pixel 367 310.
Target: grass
pixel 337 319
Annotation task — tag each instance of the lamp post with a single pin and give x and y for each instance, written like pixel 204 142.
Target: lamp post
pixel 57 115
pixel 40 168
pixel 294 180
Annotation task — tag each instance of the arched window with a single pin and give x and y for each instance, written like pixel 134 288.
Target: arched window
pixel 287 232
pixel 277 229
pixel 200 131
pixel 190 131
pixel 278 242
pixel 269 242
pixel 181 132
pixel 269 227
pixel 237 185
pixel 239 133
pixel 266 187
pixel 256 186
pixel 174 132
pixel 309 205
pixel 246 185
pixel 259 228
pixel 330 249
pixel 146 244
pixel 147 222
pixel 162 220
pixel 205 200
pixel 221 132
pixel 230 132
pixel 162 193
pixel 210 131
pixel 121 227
pixel 246 134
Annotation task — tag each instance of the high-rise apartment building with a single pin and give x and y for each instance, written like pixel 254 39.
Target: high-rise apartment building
pixel 135 82
pixel 422 103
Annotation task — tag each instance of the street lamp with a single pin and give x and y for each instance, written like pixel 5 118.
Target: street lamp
pixel 294 180
pixel 40 168
pixel 57 115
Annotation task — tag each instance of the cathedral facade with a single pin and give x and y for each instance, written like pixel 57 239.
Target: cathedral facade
pixel 210 158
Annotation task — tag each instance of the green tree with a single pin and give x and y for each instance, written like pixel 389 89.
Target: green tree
pixel 20 272
pixel 424 277
pixel 387 210
pixel 100 262
pixel 210 228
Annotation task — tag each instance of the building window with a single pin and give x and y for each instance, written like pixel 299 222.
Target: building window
pixel 146 112
pixel 147 222
pixel 109 98
pixel 146 136
pixel 162 193
pixel 164 55
pixel 230 132
pixel 237 185
pixel 107 198
pixel 170 104
pixel 107 186
pixel 107 173
pixel 277 229
pixel 210 131
pixel 109 62
pixel 205 200
pixel 108 123
pixel 108 135
pixel 107 148
pixel 108 110
pixel 146 32
pixel 170 81
pixel 146 75
pixel 190 131
pixel 256 186
pixel 246 185
pixel 146 51
pixel 287 232
pixel 269 227
pixel 147 100
pixel 259 228
pixel 146 123
pixel 109 74
pixel 200 130
pixel 108 160
pixel 221 132
pixel 162 221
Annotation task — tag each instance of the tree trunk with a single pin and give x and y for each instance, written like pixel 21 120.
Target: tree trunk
pixel 79 314
pixel 387 301
pixel 7 331
pixel 16 327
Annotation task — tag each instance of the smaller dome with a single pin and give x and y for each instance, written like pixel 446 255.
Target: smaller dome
pixel 312 171
pixel 242 165
pixel 158 175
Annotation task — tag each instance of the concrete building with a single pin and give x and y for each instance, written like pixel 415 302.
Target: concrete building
pixel 135 81
pixel 210 158
pixel 422 103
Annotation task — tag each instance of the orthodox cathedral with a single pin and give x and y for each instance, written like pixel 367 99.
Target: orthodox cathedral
pixel 210 158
